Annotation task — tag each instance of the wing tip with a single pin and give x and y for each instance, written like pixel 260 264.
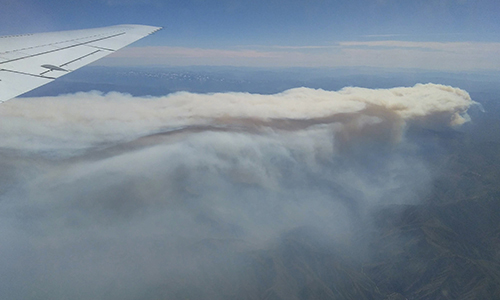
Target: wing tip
pixel 139 28
pixel 157 29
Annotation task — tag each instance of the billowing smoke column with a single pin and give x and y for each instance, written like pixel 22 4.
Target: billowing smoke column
pixel 89 118
pixel 109 196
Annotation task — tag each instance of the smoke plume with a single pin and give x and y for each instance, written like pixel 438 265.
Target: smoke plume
pixel 109 196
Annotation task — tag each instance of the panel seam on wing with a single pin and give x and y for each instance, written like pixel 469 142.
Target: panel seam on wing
pixel 67 47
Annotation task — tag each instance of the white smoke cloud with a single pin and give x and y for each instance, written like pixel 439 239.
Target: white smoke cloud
pixel 85 118
pixel 109 196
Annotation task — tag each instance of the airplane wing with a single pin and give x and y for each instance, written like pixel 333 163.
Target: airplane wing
pixel 31 60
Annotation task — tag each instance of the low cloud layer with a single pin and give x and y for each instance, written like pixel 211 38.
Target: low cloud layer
pixel 109 196
pixel 451 56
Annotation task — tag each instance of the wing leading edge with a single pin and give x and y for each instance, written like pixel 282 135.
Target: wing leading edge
pixel 32 60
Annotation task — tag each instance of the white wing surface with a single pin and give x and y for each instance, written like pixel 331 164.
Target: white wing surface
pixel 31 60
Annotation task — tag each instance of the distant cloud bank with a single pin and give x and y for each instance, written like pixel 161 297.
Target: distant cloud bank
pixel 448 56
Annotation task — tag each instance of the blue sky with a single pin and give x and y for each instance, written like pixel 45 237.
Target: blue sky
pixel 281 33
